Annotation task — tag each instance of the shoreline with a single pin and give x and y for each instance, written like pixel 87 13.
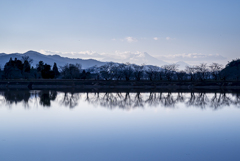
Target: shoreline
pixel 118 85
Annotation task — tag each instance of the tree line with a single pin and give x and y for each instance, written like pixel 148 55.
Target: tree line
pixel 22 69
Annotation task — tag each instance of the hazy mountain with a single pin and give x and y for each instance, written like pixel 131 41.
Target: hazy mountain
pixel 145 58
pixel 49 59
pixel 120 57
pixel 136 58
pixel 182 65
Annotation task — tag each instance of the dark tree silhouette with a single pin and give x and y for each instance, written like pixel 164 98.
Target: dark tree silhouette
pixel 13 69
pixel 47 73
pixel 55 70
pixel 71 71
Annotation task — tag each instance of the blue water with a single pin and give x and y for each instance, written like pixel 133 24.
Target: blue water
pixel 86 128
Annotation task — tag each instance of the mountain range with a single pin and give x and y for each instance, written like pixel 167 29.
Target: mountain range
pixel 49 59
pixel 141 58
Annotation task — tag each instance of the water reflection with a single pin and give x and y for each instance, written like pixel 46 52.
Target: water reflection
pixel 46 97
pixel 70 99
pixel 123 100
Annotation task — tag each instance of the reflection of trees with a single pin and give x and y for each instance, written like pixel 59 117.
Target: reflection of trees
pixel 168 100
pixel 220 99
pixel 153 99
pixel 236 101
pixel 198 100
pixel 70 99
pixel 138 101
pixel 201 100
pixel 110 100
pixel 191 100
pixel 46 97
pixel 180 97
pixel 122 100
pixel 134 100
pixel 16 97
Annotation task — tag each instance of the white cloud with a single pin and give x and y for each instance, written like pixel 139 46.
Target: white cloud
pixel 131 39
pixel 192 57
pixel 155 38
pixel 169 38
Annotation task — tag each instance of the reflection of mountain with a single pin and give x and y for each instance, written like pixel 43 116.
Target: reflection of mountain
pixel 123 100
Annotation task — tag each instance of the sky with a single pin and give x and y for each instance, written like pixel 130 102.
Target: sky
pixel 169 30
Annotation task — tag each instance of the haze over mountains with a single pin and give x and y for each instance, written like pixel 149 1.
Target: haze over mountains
pixel 138 58
pixel 120 57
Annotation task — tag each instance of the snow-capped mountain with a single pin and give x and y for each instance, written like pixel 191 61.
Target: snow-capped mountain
pixel 120 57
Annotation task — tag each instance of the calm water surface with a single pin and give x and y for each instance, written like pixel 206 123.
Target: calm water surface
pixel 67 126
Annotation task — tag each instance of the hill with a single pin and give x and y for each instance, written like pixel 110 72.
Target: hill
pixel 49 59
pixel 232 70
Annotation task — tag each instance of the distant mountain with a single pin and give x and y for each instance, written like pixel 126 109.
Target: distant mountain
pixel 182 65
pixel 145 58
pixel 137 58
pixel 120 57
pixel 134 58
pixel 49 59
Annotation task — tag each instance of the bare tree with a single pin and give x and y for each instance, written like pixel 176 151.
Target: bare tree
pixel 71 71
pixel 152 72
pixel 215 70
pixel 127 71
pixel 191 70
pixel 202 71
pixel 118 71
pixel 107 71
pixel 138 71
pixel 27 58
pixel 170 70
pixel 180 75
pixel 160 74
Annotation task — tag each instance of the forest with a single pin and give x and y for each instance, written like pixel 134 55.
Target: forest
pixel 22 69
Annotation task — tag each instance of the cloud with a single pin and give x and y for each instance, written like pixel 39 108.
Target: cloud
pixel 169 38
pixel 131 39
pixel 196 57
pixel 155 38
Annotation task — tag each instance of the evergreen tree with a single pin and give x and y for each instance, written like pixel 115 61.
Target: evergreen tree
pixel 40 66
pixel 26 66
pixel 55 70
pixel 13 69
pixel 47 73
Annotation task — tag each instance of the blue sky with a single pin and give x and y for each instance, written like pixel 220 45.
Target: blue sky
pixel 165 29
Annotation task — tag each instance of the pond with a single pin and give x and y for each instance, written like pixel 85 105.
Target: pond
pixel 124 126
